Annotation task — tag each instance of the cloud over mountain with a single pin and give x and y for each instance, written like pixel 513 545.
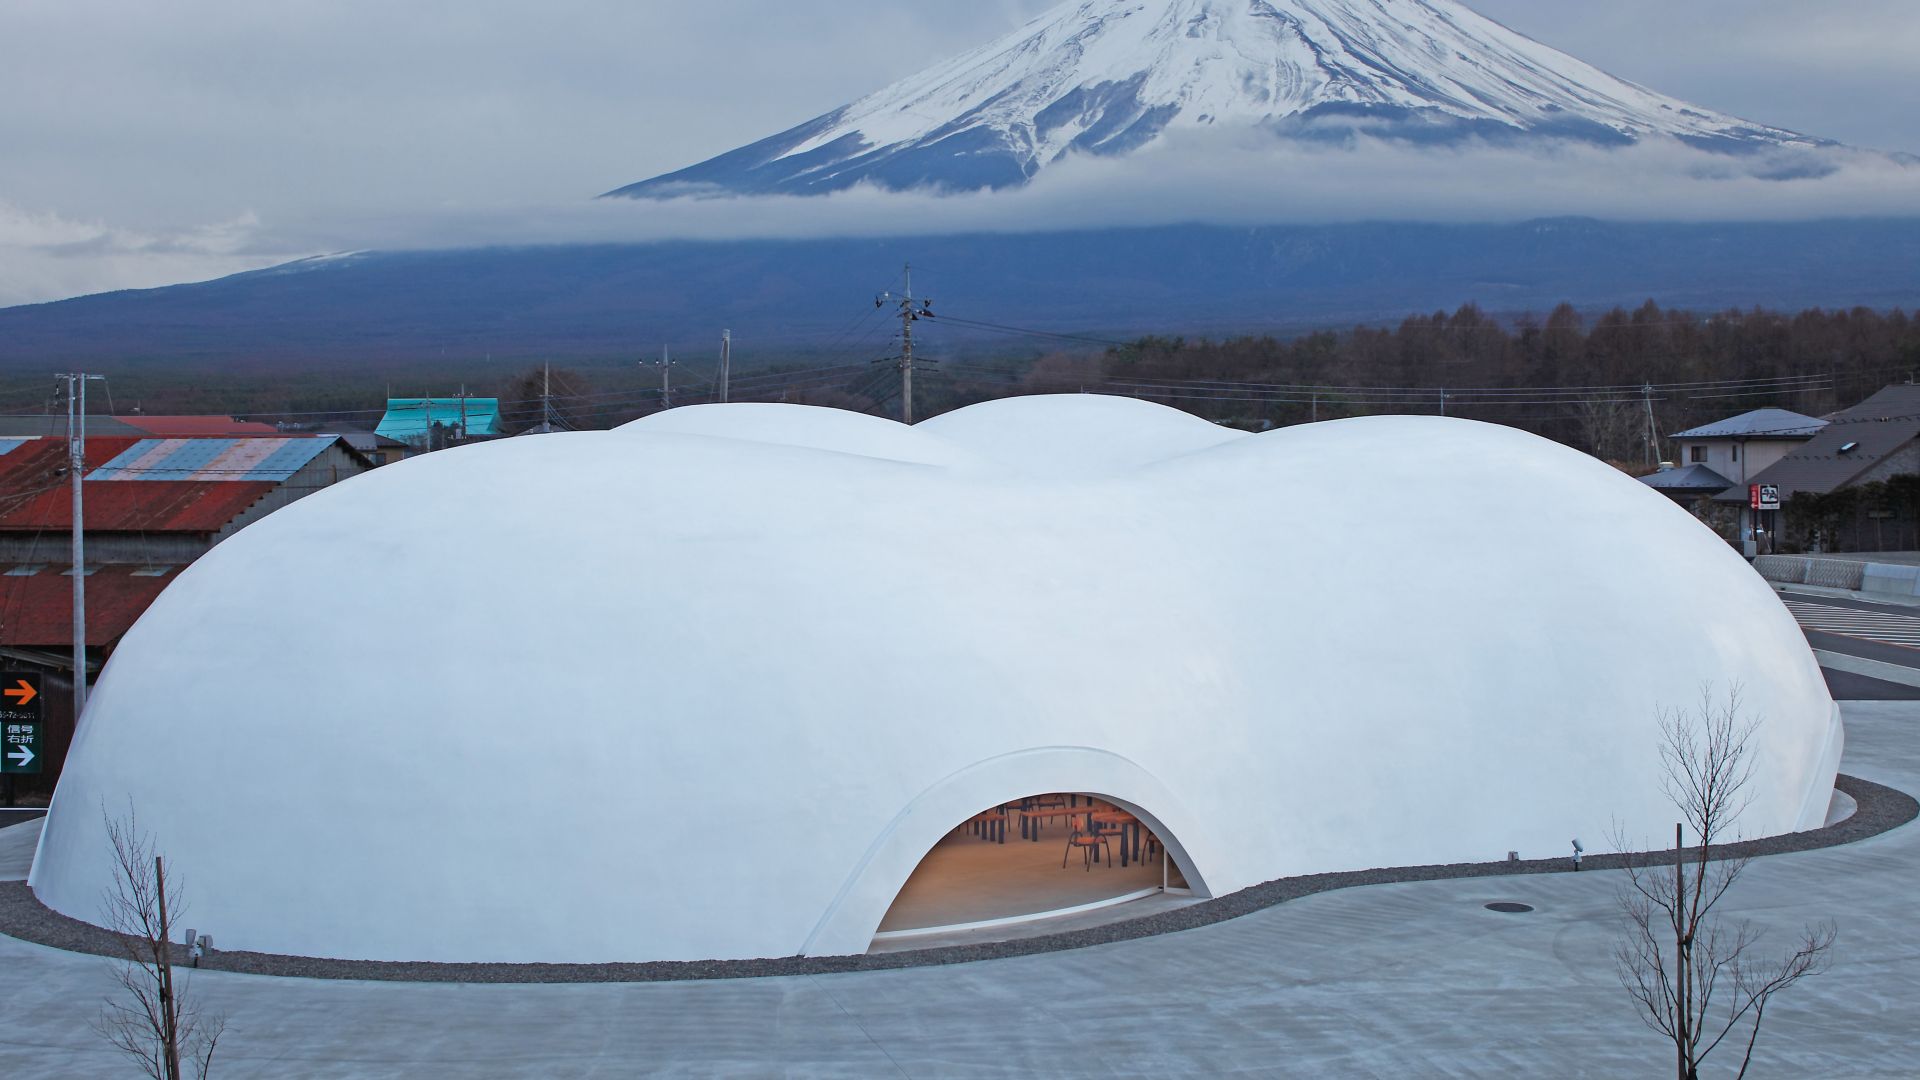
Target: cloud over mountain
pixel 45 256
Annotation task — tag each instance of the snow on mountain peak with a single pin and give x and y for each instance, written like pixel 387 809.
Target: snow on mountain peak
pixel 1108 76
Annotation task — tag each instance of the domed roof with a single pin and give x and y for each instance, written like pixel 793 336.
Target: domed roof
pixel 709 686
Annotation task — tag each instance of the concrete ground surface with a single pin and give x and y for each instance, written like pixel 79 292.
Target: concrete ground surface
pixel 1410 980
pixel 1058 924
pixel 17 839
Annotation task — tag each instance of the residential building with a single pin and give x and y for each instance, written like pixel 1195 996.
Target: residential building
pixel 1871 444
pixel 425 424
pixel 152 506
pixel 1687 485
pixel 1741 446
pixel 376 448
pixel 1717 462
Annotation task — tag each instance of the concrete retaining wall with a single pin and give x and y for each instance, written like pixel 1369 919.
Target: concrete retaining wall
pixel 1872 579
pixel 1890 580
pixel 1801 570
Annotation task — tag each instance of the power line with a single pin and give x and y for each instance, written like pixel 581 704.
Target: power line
pixel 614 396
pixel 1395 396
pixel 1410 324
pixel 1029 332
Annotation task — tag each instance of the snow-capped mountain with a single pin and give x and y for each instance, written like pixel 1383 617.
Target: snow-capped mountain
pixel 1109 76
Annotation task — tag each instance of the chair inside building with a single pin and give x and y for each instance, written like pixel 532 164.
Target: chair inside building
pixel 1054 856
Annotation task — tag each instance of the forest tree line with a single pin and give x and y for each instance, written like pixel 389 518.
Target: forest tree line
pixel 1577 379
pixel 1566 377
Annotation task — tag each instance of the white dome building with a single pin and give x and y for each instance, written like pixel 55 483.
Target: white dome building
pixel 711 686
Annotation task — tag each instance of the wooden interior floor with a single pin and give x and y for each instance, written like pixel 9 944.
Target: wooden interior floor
pixel 966 879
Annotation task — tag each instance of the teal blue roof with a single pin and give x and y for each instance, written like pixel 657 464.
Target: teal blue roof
pixel 407 418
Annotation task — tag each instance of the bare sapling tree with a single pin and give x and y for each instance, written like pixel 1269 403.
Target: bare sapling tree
pixel 156 1021
pixel 1612 427
pixel 1697 977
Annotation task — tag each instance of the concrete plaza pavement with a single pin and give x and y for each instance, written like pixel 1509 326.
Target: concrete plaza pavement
pixel 1408 980
pixel 18 835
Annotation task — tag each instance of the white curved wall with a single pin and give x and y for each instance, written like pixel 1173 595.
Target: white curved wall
pixel 687 690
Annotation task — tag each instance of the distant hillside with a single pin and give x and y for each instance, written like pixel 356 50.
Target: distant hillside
pixel 389 310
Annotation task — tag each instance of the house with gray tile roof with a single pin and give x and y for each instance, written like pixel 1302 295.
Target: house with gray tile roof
pixel 1740 447
pixel 1872 441
pixel 1718 461
pixel 1875 441
pixel 1684 485
pixel 1758 424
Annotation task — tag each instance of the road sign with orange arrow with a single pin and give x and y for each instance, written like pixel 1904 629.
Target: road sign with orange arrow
pixel 20 696
pixel 20 728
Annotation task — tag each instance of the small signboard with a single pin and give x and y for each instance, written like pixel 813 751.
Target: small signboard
pixel 1765 496
pixel 20 746
pixel 21 711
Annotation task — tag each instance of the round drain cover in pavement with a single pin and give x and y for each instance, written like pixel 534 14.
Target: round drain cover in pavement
pixel 1506 908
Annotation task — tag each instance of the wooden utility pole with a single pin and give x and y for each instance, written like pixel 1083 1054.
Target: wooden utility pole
pixel 726 361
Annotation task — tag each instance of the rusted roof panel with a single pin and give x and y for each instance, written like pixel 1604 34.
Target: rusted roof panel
pixel 36 609
pixel 35 494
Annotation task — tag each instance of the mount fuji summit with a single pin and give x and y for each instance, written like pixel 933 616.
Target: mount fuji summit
pixel 1106 77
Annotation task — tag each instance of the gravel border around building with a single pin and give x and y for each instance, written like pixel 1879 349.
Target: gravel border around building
pixel 1880 809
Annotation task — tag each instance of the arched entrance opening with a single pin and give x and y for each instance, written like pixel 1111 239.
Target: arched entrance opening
pixel 1040 864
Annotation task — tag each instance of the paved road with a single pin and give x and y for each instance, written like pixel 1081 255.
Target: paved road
pixel 1847 686
pixel 1411 980
pixel 1900 628
pixel 1849 601
pixel 1873 632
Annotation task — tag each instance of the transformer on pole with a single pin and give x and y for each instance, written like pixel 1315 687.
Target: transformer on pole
pixel 909 314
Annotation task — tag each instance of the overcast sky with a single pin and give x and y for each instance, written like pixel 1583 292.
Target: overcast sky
pixel 146 142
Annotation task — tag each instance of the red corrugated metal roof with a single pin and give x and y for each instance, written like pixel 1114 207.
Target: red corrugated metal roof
pixel 42 461
pixel 35 494
pixel 36 612
pixel 189 426
pixel 156 506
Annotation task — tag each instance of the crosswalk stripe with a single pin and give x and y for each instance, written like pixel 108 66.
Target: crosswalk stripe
pixel 1870 625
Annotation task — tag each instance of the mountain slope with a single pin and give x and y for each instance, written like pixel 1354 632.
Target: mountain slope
pixel 400 311
pixel 1108 76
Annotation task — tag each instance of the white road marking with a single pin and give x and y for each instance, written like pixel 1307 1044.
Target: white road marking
pixel 1878 626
